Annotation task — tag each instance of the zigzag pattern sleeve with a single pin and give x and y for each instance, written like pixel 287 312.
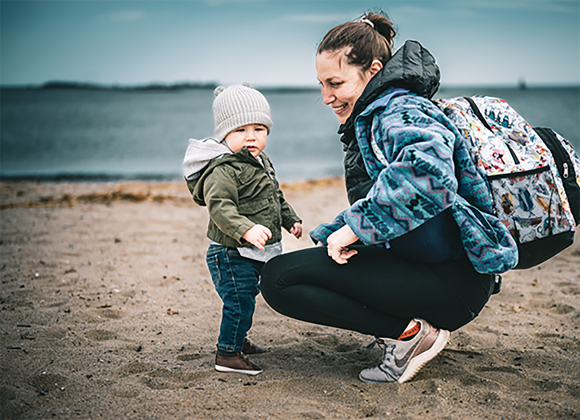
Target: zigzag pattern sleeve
pixel 324 230
pixel 419 182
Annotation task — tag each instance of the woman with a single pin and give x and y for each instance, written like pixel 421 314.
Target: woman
pixel 395 263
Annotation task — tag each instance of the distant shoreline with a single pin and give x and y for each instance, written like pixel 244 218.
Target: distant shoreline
pixel 58 85
pixel 64 85
pixel 84 177
pixel 79 178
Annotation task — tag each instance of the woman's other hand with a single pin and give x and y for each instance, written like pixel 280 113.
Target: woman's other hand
pixel 257 236
pixel 338 244
pixel 296 230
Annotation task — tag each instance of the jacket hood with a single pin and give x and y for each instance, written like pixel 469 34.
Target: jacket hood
pixel 412 67
pixel 199 154
pixel 196 181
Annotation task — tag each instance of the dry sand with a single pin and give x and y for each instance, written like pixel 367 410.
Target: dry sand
pixel 107 311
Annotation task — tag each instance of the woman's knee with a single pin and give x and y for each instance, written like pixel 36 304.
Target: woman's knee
pixel 271 282
pixel 462 309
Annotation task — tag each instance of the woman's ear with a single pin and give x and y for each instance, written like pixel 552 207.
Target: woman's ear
pixel 376 65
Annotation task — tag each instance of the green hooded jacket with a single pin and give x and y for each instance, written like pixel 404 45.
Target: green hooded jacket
pixel 239 193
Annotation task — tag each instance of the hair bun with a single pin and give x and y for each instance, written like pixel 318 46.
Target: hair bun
pixel 218 90
pixel 248 85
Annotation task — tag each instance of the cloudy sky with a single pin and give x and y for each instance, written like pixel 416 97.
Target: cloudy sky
pixel 273 42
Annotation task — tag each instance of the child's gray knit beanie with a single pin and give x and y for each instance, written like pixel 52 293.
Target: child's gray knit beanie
pixel 239 105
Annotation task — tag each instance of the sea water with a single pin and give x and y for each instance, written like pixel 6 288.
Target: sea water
pixel 78 134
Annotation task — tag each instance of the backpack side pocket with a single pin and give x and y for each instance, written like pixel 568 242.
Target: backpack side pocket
pixel 529 205
pixel 568 165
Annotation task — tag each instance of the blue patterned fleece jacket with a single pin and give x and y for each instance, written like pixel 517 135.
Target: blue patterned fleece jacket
pixel 420 166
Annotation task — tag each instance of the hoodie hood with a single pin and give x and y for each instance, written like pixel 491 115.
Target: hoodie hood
pixel 199 154
pixel 412 67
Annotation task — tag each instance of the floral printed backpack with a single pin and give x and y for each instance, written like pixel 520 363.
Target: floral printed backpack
pixel 533 174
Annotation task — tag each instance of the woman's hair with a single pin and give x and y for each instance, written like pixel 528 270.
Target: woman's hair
pixel 366 42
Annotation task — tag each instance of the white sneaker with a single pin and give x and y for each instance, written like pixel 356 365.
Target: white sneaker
pixel 401 360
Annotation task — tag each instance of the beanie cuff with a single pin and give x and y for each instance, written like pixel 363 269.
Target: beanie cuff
pixel 240 120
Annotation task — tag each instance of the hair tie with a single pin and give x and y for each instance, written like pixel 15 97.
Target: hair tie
pixel 365 20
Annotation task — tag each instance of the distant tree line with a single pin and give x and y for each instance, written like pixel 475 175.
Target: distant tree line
pixel 53 85
pixel 149 86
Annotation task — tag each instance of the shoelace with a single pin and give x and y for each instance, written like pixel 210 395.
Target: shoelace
pixel 379 342
pixel 387 349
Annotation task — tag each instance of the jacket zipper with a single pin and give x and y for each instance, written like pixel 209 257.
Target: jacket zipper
pixel 276 200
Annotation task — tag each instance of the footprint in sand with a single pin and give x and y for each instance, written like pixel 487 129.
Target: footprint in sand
pixel 569 288
pixel 134 368
pixel 189 357
pixel 46 383
pixel 562 309
pixel 332 342
pixel 175 379
pixel 100 335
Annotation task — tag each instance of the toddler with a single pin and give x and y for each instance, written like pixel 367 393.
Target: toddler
pixel 235 180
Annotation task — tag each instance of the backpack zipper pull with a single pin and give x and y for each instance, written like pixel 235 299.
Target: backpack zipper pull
pixel 565 174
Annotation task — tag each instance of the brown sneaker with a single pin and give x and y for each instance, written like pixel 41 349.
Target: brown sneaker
pixel 236 364
pixel 251 348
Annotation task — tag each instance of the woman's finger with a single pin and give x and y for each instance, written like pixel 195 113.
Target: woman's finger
pixel 342 255
pixel 347 253
pixel 339 259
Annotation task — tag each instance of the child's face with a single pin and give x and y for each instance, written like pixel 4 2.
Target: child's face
pixel 252 136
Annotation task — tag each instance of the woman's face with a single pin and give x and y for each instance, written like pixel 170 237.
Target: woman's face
pixel 342 83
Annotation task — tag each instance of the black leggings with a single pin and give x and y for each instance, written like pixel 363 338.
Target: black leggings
pixel 376 292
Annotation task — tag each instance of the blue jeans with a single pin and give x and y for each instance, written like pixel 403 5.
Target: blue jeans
pixel 236 279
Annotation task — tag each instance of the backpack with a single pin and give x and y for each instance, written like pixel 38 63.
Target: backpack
pixel 533 174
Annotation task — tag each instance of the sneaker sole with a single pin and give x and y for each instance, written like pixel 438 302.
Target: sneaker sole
pixel 230 370
pixel 418 362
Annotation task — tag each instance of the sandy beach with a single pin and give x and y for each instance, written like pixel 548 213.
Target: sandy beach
pixel 107 310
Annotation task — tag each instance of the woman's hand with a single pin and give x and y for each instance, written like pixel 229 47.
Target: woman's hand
pixel 296 230
pixel 257 236
pixel 338 243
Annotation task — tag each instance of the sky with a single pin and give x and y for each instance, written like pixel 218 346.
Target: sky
pixel 273 42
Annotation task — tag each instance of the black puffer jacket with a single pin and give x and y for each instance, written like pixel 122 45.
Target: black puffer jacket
pixel 412 67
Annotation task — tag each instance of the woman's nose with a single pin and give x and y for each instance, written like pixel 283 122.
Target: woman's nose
pixel 327 98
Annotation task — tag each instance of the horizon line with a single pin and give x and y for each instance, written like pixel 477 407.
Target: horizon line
pixel 57 84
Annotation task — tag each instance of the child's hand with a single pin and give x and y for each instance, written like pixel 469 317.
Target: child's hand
pixel 257 236
pixel 296 230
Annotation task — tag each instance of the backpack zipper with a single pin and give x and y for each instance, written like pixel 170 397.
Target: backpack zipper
pixel 514 156
pixel 553 144
pixel 481 118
